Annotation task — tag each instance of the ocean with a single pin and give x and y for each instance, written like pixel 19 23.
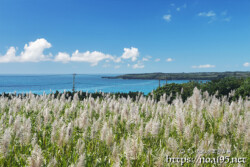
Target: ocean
pixel 92 83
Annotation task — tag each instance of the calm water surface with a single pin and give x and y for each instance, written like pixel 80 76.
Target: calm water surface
pixel 91 83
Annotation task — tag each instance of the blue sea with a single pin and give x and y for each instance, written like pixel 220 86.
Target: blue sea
pixel 92 83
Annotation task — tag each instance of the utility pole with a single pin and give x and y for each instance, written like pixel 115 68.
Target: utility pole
pixel 73 89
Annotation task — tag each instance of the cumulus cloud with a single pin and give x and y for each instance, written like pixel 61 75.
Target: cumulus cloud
pixel 169 59
pixel 167 17
pixel 204 66
pixel 246 64
pixel 33 52
pixel 157 60
pixel 63 57
pixel 130 53
pixel 10 56
pixel 116 59
pixel 90 57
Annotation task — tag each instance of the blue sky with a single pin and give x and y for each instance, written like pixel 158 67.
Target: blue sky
pixel 118 36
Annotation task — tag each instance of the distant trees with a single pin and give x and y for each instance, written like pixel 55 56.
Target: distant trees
pixel 236 87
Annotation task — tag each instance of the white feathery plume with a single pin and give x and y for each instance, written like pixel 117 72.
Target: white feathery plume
pixel 5 142
pixel 62 135
pixel 81 161
pixel 10 120
pixel 196 99
pixel 148 127
pixel 46 116
pixel 160 160
pixel 179 120
pixel 34 140
pixel 36 158
pixel 17 123
pixel 155 127
pixel 133 148
pixel 69 132
pixel 187 132
pixel 80 146
pixel 225 147
pixel 54 132
pixel 52 162
pixel 173 145
pixel 104 131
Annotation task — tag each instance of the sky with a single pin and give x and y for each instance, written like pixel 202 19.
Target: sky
pixel 124 36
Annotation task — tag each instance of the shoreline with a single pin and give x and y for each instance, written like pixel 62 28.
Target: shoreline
pixel 182 76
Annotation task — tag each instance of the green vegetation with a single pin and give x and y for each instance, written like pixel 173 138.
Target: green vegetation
pixel 231 87
pixel 42 130
pixel 184 76
pixel 81 129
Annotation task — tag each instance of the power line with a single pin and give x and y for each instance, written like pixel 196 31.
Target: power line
pixel 73 89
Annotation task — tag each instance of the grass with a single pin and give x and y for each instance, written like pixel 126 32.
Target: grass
pixel 47 131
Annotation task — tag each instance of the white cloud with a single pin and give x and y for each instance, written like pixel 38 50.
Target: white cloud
pixel 156 60
pixel 246 64
pixel 223 16
pixel 116 59
pixel 33 52
pixel 167 17
pixel 204 66
pixel 169 59
pixel 90 57
pixel 10 56
pixel 63 57
pixel 130 53
pixel 207 14
pixel 211 15
pixel 138 65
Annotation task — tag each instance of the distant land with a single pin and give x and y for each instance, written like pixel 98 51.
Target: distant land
pixel 183 76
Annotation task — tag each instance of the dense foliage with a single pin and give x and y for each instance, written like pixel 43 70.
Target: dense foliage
pixel 52 130
pixel 232 87
pixel 184 76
